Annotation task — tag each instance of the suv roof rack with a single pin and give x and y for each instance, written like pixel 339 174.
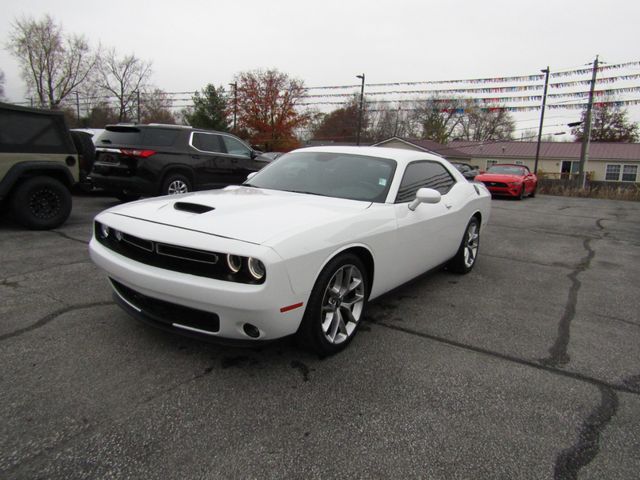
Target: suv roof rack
pixel 169 125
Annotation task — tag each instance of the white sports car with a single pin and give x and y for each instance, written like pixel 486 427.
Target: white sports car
pixel 298 249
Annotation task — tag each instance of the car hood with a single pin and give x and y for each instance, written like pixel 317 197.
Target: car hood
pixel 498 177
pixel 243 213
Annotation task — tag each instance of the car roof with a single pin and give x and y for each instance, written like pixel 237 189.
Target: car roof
pixel 400 155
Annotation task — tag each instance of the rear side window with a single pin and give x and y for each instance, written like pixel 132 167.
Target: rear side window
pixel 207 142
pixel 142 137
pixel 424 174
pixel 159 137
pixel 32 133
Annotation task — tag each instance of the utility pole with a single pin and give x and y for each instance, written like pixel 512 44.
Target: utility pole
pixel 78 107
pixel 361 106
pixel 544 104
pixel 586 137
pixel 138 99
pixel 235 104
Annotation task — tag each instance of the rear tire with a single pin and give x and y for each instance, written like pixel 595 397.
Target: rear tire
pixel 86 153
pixel 467 253
pixel 176 183
pixel 522 193
pixel 336 306
pixel 533 192
pixel 41 203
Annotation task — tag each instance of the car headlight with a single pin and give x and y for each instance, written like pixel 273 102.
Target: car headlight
pixel 256 268
pixel 104 230
pixel 234 262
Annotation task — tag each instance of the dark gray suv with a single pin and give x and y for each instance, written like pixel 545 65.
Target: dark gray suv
pixel 148 160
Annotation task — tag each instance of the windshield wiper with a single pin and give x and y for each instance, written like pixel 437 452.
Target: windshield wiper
pixel 308 193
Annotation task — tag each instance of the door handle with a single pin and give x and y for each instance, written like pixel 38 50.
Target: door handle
pixel 195 157
pixel 448 206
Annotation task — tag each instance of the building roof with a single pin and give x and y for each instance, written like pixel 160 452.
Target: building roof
pixel 555 150
pixel 429 146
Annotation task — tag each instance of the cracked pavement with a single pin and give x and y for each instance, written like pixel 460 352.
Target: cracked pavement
pixel 528 367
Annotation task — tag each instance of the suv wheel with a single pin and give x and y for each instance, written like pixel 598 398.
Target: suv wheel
pixel 176 183
pixel 41 203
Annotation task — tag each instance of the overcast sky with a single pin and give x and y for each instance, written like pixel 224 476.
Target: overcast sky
pixel 192 43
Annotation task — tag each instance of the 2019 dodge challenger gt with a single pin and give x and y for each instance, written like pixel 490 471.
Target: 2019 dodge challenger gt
pixel 299 248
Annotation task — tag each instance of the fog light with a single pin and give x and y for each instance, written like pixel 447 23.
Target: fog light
pixel 251 330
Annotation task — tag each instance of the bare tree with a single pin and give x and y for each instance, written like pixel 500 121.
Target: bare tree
pixel 156 107
pixel 123 78
pixel 387 120
pixel 481 124
pixel 52 64
pixel 437 119
pixel 1 84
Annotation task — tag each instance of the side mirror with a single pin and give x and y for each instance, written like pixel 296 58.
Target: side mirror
pixel 425 195
pixel 253 154
pixel 251 175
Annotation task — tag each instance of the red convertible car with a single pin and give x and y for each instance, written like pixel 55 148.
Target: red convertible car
pixel 510 180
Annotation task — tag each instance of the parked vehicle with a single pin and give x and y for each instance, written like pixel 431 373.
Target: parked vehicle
pixel 300 248
pixel 38 166
pixel 510 180
pixel 149 160
pixel 468 171
pixel 272 155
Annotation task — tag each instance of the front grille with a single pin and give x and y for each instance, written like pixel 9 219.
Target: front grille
pixel 176 258
pixel 163 255
pixel 496 184
pixel 168 313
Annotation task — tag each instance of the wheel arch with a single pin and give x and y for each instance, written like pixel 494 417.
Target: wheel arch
pixel 179 169
pixel 363 253
pixel 25 170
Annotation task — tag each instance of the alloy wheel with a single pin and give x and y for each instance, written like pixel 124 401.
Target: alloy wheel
pixel 176 187
pixel 471 243
pixel 342 304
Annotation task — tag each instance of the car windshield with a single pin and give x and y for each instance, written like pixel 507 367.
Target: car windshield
pixel 507 169
pixel 341 175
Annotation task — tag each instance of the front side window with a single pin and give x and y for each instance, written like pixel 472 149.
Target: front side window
pixel 629 173
pixel 207 142
pixel 235 146
pixel 424 174
pixel 612 173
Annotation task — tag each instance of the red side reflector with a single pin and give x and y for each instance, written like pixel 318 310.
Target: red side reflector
pixel 291 307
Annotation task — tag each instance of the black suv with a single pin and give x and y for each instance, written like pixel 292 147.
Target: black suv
pixel 40 162
pixel 148 160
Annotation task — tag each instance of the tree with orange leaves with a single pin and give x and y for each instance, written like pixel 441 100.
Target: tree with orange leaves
pixel 266 108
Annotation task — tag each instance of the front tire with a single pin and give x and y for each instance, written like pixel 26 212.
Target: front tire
pixel 41 203
pixel 466 256
pixel 336 306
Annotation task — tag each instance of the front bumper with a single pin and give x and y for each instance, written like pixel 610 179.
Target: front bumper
pixel 234 304
pixel 508 191
pixel 118 184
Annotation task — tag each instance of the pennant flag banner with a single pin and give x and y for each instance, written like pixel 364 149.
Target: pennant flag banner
pixel 527 108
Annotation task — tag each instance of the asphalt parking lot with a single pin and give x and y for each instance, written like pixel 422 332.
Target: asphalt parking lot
pixel 529 367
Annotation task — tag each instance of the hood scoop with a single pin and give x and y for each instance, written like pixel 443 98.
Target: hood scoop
pixel 192 207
